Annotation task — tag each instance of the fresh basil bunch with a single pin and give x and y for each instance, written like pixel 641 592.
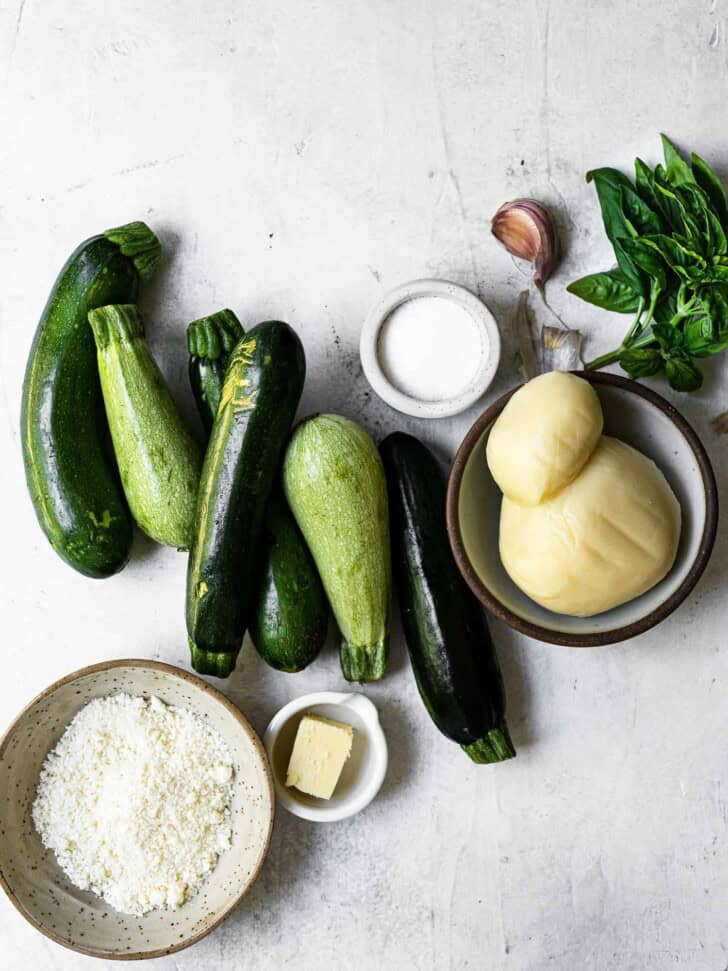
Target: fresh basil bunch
pixel 668 230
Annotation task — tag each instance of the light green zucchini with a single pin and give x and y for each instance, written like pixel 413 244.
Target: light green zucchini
pixel 158 458
pixel 334 482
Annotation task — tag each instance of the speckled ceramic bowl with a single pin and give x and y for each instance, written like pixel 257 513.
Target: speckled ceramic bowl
pixel 644 420
pixel 29 873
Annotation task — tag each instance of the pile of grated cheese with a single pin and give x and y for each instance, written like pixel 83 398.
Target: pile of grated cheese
pixel 134 800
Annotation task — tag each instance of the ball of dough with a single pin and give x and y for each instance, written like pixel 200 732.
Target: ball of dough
pixel 544 436
pixel 607 537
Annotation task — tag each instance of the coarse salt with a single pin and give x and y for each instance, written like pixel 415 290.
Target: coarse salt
pixel 430 348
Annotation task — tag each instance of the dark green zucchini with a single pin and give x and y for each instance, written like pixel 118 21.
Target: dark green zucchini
pixel 210 341
pixel 452 654
pixel 70 469
pixel 290 613
pixel 263 385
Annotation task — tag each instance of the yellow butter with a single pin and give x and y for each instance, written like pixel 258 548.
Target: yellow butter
pixel 320 751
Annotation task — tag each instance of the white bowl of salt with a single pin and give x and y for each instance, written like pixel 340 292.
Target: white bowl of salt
pixel 430 348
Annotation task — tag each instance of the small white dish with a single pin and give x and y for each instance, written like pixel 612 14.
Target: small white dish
pixel 490 344
pixel 364 771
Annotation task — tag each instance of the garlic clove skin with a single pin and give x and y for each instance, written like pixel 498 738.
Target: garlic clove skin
pixel 527 230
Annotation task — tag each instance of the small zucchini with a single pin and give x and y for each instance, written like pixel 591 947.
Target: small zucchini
pixel 72 477
pixel 452 654
pixel 263 385
pixel 210 341
pixel 334 482
pixel 158 459
pixel 290 614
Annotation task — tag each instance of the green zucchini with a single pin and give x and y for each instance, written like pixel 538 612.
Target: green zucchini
pixel 210 341
pixel 290 613
pixel 158 459
pixel 334 483
pixel 452 654
pixel 72 477
pixel 263 386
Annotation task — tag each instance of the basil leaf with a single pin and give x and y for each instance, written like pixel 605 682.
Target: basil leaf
pixel 635 277
pixel 666 307
pixel 712 187
pixel 609 184
pixel 692 255
pixel 670 251
pixel 717 242
pixel 610 290
pixel 682 373
pixel 700 346
pixel 699 339
pixel 641 362
pixel 671 207
pixel 707 333
pixel 678 170
pixel 716 273
pixel 714 301
pixel 613 177
pixel 638 212
pixel 668 337
pixel 710 348
pixel 648 259
pixel 696 215
pixel 645 185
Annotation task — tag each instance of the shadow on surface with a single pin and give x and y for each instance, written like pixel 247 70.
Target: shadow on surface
pixel 517 687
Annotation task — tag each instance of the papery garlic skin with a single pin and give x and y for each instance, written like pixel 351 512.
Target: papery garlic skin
pixel 527 230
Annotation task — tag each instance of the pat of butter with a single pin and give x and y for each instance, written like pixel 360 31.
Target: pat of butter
pixel 320 750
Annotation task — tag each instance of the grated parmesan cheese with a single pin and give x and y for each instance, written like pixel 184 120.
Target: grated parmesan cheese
pixel 134 800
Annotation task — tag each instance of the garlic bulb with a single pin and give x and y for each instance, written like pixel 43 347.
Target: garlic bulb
pixel 526 229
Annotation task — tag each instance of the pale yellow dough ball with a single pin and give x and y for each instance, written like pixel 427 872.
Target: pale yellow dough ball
pixel 602 540
pixel 544 436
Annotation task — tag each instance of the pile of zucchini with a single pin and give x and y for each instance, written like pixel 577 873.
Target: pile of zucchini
pixel 281 523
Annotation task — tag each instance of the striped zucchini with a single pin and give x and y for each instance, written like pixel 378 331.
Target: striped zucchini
pixel 334 482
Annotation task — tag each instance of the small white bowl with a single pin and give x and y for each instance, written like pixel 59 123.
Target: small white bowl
pixel 363 773
pixel 490 343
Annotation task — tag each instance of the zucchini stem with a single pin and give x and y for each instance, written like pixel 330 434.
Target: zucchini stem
pixel 117 323
pixel 495 746
pixel 214 336
pixel 365 662
pixel 219 664
pixel 139 244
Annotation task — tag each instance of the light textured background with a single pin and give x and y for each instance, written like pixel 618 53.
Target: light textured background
pixel 297 159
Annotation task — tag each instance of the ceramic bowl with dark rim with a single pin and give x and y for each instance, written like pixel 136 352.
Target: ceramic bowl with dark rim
pixel 644 420
pixel 80 919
